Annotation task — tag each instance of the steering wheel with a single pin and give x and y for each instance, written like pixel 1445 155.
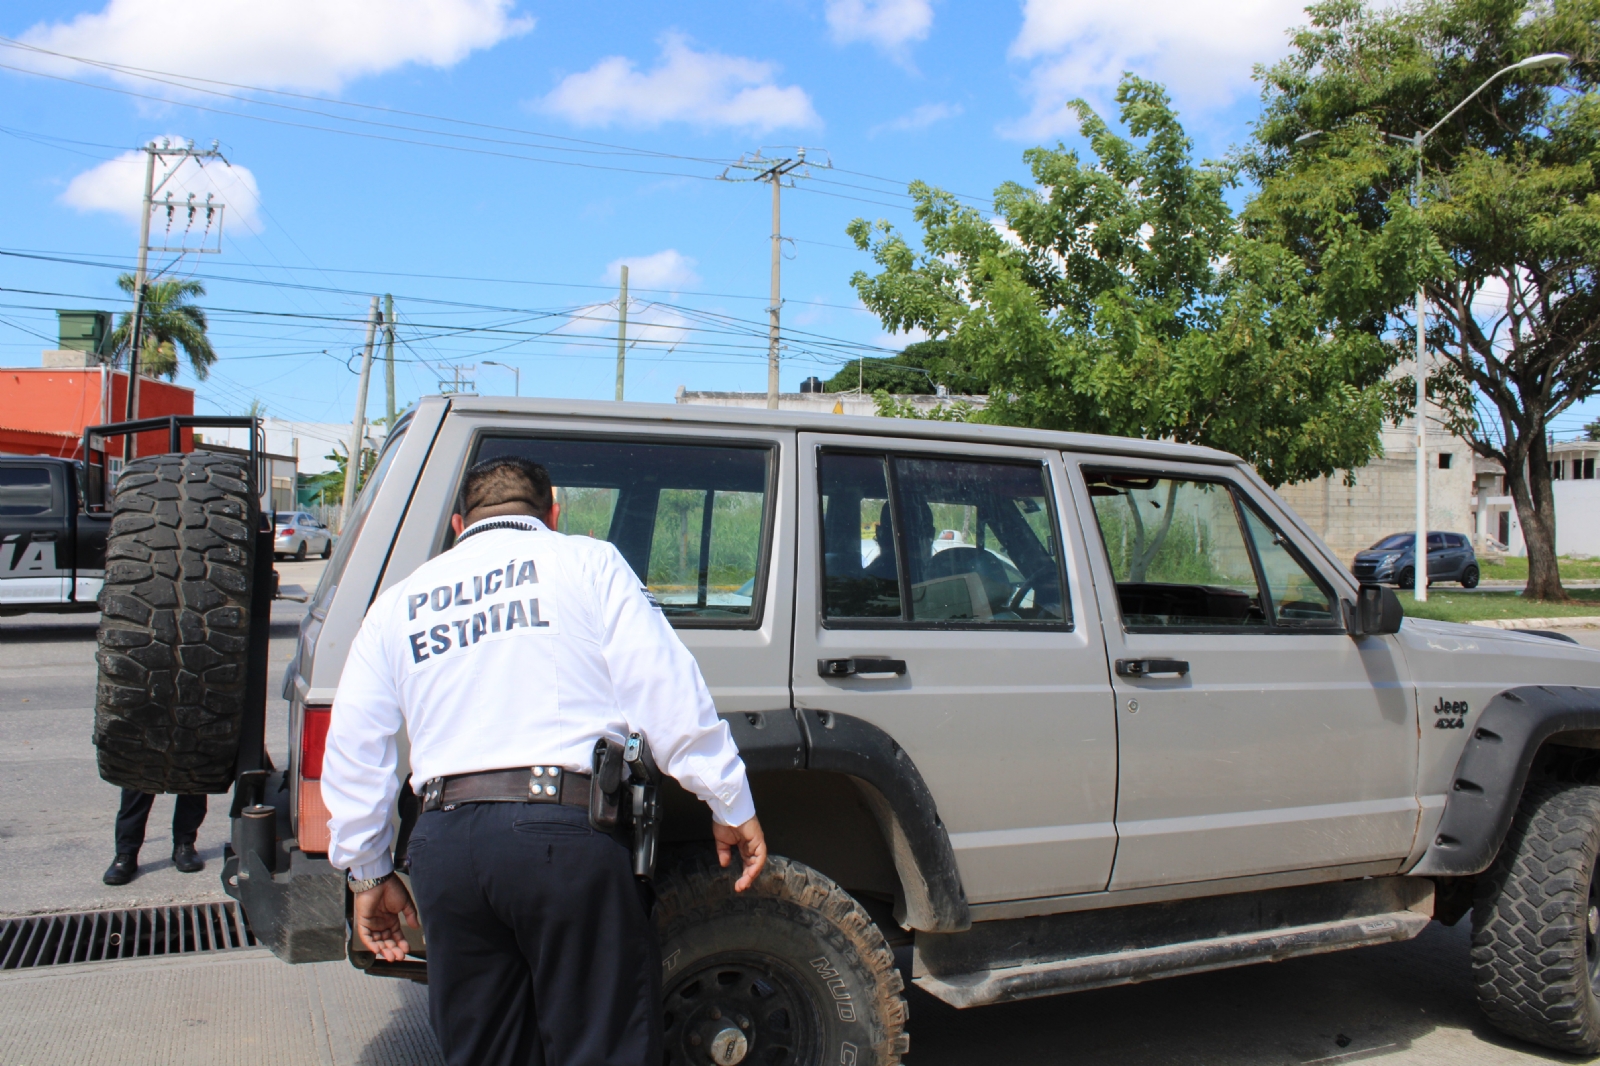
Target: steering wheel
pixel 1030 583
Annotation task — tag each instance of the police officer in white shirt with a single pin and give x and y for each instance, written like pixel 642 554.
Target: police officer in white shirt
pixel 505 659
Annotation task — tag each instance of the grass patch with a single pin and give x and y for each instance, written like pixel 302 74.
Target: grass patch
pixel 1515 568
pixel 1476 606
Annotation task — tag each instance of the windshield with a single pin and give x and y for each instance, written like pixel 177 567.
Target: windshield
pixel 1393 542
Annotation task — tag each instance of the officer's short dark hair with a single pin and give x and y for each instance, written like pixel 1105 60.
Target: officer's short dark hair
pixel 507 479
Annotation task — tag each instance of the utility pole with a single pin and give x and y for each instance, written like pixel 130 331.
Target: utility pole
pixel 774 170
pixel 622 330
pixel 388 362
pixel 141 279
pixel 358 425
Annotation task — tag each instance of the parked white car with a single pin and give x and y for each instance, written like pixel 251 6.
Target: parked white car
pixel 298 534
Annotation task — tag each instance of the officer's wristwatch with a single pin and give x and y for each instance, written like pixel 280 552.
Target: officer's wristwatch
pixel 365 884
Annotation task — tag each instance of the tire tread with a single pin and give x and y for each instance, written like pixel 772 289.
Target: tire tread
pixel 1528 919
pixel 175 618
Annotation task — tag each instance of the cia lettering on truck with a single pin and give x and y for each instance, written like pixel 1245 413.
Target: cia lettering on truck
pixel 1450 714
pixel 481 607
pixel 30 560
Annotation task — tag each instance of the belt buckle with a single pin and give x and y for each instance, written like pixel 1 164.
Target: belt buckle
pixel 544 784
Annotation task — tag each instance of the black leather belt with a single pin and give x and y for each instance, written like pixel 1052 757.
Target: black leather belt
pixel 525 784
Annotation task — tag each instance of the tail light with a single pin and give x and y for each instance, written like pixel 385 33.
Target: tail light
pixel 311 814
pixel 286 532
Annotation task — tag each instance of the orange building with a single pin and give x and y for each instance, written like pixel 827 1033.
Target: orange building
pixel 43 411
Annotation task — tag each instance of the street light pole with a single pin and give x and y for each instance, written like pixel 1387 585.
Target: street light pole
pixel 1420 546
pixel 1420 542
pixel 506 366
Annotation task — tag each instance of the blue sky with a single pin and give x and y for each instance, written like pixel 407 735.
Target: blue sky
pixel 893 90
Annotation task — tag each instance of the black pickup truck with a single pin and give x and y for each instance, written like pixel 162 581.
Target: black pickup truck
pixel 52 548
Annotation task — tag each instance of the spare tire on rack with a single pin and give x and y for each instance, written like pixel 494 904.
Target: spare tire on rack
pixel 175 624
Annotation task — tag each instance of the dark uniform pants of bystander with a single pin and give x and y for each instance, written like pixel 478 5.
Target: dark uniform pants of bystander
pixel 541 951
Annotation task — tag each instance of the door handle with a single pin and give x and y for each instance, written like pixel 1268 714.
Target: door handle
pixel 43 534
pixel 1151 667
pixel 869 669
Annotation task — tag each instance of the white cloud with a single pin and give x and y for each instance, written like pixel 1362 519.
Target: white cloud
pixel 889 24
pixel 117 186
pixel 700 88
pixel 282 44
pixel 668 269
pixel 1203 50
pixel 650 326
pixel 918 118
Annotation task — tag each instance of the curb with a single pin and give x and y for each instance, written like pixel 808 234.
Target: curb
pixel 1581 621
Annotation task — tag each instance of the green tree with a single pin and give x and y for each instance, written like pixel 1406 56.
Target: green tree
pixel 919 369
pixel 1507 235
pixel 171 322
pixel 1121 296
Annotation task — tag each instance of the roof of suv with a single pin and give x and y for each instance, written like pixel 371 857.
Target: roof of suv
pixel 697 414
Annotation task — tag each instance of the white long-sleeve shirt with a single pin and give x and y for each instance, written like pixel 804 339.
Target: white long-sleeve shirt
pixel 518 647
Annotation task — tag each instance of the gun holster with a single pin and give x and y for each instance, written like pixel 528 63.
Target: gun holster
pixel 628 773
pixel 605 788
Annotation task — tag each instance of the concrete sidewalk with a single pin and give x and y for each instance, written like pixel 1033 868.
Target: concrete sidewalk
pixel 246 1008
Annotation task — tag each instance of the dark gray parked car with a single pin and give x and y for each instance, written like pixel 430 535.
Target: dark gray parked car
pixel 1393 560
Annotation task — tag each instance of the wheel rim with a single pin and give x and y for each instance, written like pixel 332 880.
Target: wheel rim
pixel 739 1008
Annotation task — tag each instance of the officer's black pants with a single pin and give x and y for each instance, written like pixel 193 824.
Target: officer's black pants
pixel 540 952
pixel 187 814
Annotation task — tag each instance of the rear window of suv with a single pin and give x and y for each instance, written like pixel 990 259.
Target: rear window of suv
pixel 692 520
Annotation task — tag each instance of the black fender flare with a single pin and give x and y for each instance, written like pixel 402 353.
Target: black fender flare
pixel 1493 770
pixel 933 900
pixel 932 897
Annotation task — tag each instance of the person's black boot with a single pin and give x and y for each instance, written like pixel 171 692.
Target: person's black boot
pixel 123 869
pixel 186 860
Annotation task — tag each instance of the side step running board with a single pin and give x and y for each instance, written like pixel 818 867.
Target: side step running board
pixel 1169 960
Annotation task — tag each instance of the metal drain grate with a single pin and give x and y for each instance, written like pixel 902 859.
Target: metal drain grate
pixel 103 936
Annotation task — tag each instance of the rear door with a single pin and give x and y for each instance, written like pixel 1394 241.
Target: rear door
pixel 1256 735
pixel 35 555
pixel 957 568
pixel 698 513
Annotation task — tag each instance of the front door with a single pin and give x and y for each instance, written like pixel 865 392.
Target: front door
pixel 35 557
pixel 957 568
pixel 1255 734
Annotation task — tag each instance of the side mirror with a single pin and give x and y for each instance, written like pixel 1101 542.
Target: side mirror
pixel 1376 611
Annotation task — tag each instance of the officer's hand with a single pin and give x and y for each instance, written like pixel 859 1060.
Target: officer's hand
pixel 378 914
pixel 752 846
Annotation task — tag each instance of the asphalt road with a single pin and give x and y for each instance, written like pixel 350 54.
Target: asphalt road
pixel 1399 1004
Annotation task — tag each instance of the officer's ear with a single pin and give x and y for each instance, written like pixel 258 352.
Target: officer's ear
pixel 457 524
pixel 553 519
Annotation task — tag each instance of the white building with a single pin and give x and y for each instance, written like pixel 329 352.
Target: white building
pixel 1577 498
pixel 308 442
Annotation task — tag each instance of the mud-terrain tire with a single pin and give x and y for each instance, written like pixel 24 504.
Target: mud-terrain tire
pixel 1536 922
pixel 175 623
pixel 792 965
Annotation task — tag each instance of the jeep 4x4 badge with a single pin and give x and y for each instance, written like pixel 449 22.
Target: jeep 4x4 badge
pixel 1450 714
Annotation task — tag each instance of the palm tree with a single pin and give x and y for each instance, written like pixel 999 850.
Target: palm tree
pixel 170 322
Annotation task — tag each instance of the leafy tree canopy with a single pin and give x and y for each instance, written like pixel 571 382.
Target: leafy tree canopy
pixel 1505 238
pixel 1121 296
pixel 917 370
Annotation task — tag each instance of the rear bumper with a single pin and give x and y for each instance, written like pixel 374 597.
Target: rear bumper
pixel 299 913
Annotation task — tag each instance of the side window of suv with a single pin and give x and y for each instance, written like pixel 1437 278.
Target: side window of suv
pixel 1188 553
pixel 691 520
pixel 916 539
